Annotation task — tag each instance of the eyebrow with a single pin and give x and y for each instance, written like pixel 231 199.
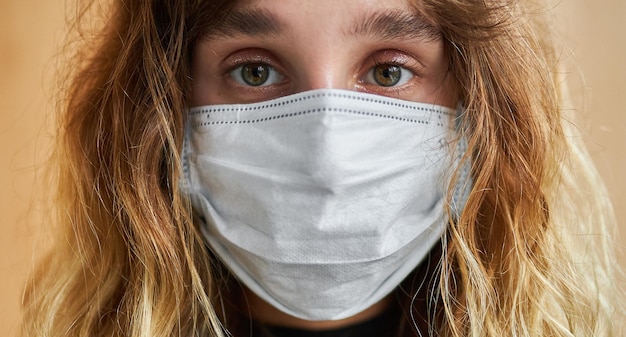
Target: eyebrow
pixel 388 25
pixel 253 21
pixel 394 25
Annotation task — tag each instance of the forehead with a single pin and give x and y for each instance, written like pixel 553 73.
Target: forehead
pixel 330 5
pixel 393 19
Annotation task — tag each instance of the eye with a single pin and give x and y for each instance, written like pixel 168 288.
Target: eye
pixel 388 75
pixel 256 74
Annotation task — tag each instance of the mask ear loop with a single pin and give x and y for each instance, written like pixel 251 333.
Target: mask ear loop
pixel 464 183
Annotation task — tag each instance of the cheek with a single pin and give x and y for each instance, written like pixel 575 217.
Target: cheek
pixel 204 73
pixel 444 83
pixel 198 81
pixel 439 85
pixel 448 91
pixel 197 96
pixel 203 92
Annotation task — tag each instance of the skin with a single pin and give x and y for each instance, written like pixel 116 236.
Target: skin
pixel 305 45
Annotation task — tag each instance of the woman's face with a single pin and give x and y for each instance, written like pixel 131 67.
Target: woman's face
pixel 265 49
pixel 270 48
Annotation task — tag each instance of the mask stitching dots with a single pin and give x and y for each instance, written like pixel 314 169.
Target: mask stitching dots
pixel 319 110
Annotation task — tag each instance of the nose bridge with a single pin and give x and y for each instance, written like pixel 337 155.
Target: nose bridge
pixel 324 70
pixel 321 66
pixel 325 73
pixel 320 49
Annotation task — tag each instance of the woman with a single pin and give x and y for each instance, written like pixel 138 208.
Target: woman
pixel 353 168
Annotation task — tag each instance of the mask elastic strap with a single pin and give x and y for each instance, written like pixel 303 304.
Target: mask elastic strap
pixel 464 182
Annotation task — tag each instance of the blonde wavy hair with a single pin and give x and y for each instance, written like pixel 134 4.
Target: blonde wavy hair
pixel 528 256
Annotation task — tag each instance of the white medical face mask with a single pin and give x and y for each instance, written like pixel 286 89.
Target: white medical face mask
pixel 320 202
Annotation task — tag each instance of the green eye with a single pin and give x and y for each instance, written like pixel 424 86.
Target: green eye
pixel 387 75
pixel 255 74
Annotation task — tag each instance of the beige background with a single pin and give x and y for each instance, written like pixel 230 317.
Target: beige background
pixel 31 30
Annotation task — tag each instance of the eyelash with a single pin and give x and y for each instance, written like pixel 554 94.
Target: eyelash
pixel 410 70
pixel 408 63
pixel 247 57
pixel 403 61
